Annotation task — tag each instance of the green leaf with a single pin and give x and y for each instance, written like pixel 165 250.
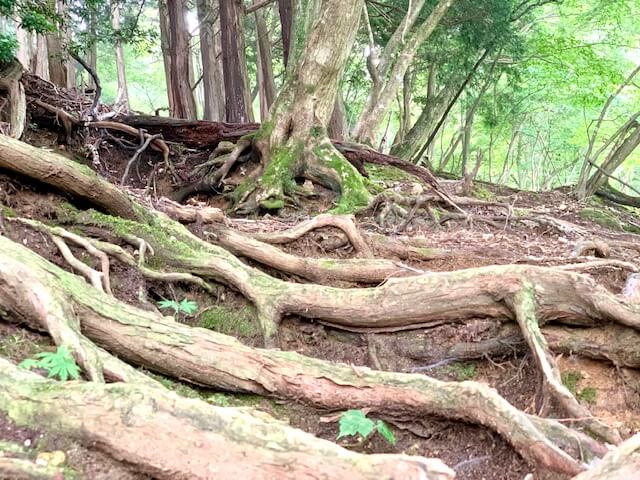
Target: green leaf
pixel 188 306
pixel 355 422
pixel 59 364
pixel 169 304
pixel 28 364
pixel 385 432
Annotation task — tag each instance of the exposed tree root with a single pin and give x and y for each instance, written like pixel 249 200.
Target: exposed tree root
pixel 16 465
pixel 211 181
pixel 170 437
pixel 346 223
pixel 524 306
pixel 358 270
pixel 211 359
pixel 623 463
pixel 612 343
pixel 528 294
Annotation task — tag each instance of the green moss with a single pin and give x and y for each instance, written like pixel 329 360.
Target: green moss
pixel 7 212
pixel 521 212
pixel 588 395
pixel 386 173
pixel 462 370
pixel 354 195
pixel 601 217
pixel 570 380
pixel 272 203
pixel 482 193
pixel 237 322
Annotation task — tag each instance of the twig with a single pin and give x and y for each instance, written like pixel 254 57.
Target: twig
pixel 136 155
pixel 96 81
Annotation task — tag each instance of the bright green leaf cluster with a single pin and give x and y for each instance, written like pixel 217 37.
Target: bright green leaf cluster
pixel 355 422
pixel 188 307
pixel 59 364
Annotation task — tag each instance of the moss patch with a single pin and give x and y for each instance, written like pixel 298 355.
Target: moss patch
pixel 386 173
pixel 482 193
pixel 236 322
pixel 461 371
pixel 600 217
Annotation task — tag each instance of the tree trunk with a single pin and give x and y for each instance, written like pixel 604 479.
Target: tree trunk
pixel 294 142
pixel 165 45
pixel 211 54
pixel 285 10
pixel 92 54
pixel 615 158
pixel 238 107
pixel 184 105
pixel 266 82
pixel 58 58
pixel 122 96
pixel 10 75
pixel 40 61
pixel 170 437
pixel 396 59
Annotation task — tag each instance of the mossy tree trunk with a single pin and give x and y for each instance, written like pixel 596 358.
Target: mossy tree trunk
pixel 294 143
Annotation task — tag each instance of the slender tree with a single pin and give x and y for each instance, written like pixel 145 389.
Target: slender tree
pixel 387 71
pixel 182 103
pixel 234 64
pixel 122 96
pixel 211 54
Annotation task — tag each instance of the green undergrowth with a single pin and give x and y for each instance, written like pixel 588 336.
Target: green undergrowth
pixel 461 371
pixel 571 379
pixel 239 322
pixel 482 193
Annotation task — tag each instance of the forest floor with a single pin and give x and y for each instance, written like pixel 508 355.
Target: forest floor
pixel 472 451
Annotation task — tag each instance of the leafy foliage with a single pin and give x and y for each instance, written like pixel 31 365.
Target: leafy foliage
pixel 8 47
pixel 59 364
pixel 185 306
pixel 356 423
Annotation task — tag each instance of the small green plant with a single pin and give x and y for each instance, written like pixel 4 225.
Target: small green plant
pixel 462 371
pixel 570 380
pixel 356 422
pixel 588 395
pixel 59 364
pixel 185 306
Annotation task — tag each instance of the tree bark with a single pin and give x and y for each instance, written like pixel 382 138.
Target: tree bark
pixel 285 10
pixel 266 82
pixel 191 439
pixel 238 106
pixel 294 142
pixel 10 75
pixel 122 95
pixel 40 62
pixel 184 105
pixel 165 45
pixel 211 53
pixel 616 157
pixel 394 62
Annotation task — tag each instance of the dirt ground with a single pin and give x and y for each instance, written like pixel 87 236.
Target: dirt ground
pixel 474 452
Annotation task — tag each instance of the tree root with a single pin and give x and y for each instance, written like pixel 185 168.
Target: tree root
pixel 346 223
pixel 612 343
pixel 211 359
pixel 215 437
pixel 623 463
pixel 358 270
pixel 524 306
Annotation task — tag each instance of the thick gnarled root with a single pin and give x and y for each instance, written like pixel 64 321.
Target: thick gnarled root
pixel 215 438
pixel 210 359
